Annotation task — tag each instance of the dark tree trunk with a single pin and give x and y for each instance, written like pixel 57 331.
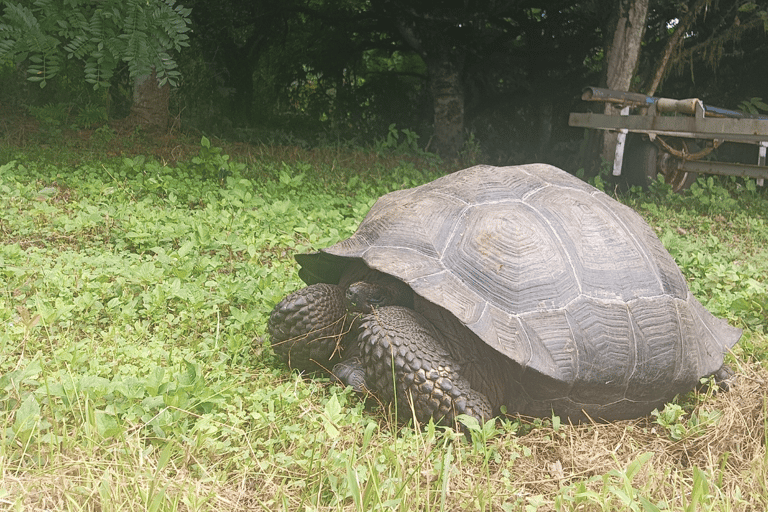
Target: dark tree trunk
pixel 241 76
pixel 150 103
pixel 240 62
pixel 445 69
pixel 623 47
pixel 622 55
pixel 447 90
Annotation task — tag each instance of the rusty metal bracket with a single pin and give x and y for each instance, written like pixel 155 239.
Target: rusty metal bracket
pixel 684 155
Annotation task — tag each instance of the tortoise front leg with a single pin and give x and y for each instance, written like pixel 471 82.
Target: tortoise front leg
pixel 307 326
pixel 405 361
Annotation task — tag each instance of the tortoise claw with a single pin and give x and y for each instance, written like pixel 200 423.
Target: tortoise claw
pixel 350 372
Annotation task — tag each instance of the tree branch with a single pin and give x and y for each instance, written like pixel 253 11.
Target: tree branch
pixel 674 41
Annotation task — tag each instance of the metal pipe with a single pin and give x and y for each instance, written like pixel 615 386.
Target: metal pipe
pixel 686 106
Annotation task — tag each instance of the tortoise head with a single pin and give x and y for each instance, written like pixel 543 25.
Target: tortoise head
pixel 365 296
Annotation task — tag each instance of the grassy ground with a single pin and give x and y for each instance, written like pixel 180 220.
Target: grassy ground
pixel 136 376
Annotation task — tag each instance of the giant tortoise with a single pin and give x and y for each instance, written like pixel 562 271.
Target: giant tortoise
pixel 521 288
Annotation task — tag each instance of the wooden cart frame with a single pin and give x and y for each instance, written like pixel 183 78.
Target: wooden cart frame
pixel 675 130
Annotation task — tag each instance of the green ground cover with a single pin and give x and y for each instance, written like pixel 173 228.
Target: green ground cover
pixel 136 374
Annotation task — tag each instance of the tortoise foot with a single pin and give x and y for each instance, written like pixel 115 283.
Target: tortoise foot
pixel 350 372
pixel 723 377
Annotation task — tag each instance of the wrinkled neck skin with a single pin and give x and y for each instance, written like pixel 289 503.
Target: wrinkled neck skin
pixel 367 289
pixel 360 284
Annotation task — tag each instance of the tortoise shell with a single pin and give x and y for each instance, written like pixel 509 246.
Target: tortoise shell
pixel 571 286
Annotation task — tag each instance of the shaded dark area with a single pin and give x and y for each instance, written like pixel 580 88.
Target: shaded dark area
pixel 495 78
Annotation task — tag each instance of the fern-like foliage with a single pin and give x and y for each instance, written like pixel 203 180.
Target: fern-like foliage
pixel 141 33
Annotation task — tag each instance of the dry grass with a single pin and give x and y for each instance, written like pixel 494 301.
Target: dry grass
pixel 731 451
pixel 567 468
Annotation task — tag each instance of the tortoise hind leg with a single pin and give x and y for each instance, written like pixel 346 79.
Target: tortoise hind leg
pixel 398 342
pixel 723 377
pixel 351 372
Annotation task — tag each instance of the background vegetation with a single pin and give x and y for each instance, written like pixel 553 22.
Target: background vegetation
pixel 317 72
pixel 136 376
pixel 139 265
